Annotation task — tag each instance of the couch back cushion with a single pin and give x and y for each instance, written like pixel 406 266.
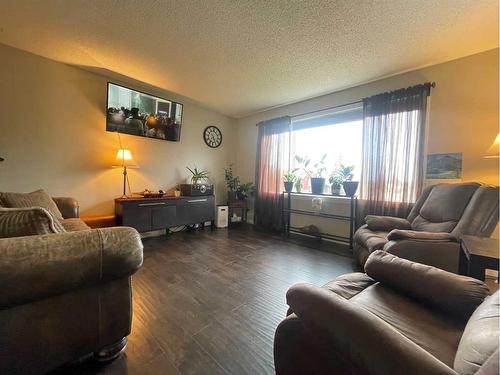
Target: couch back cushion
pixel 38 198
pixel 27 221
pixel 480 338
pixel 444 207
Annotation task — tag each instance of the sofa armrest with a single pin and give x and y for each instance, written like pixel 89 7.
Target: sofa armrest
pixel 415 235
pixel 36 267
pixel 386 223
pixel 369 343
pixel 440 254
pixel 453 294
pixel 68 206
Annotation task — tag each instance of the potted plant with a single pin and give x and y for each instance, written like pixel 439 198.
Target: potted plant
pixel 235 189
pixel 232 183
pixel 317 179
pixel 245 190
pixel 345 172
pixel 298 185
pixel 335 181
pixel 289 179
pixel 315 173
pixel 198 175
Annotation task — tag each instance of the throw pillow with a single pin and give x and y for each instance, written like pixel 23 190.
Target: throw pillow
pixel 29 221
pixel 38 198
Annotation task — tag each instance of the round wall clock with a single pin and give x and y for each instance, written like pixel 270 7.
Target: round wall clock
pixel 212 136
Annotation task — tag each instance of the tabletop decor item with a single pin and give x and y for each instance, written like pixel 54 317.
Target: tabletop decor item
pixel 212 136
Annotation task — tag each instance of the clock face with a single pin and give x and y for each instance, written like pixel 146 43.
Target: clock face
pixel 212 136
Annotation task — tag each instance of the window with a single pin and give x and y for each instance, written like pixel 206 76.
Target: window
pixel 337 134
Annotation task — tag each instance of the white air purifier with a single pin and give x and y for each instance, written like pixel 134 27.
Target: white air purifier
pixel 222 216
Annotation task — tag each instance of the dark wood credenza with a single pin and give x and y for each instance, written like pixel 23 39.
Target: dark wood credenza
pixel 148 214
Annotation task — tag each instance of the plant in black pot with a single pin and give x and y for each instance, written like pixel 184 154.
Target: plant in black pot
pixel 235 189
pixel 289 179
pixel 317 179
pixel 232 183
pixel 350 187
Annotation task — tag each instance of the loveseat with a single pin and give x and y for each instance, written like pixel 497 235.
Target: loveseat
pixel 65 295
pixel 400 317
pixel 431 232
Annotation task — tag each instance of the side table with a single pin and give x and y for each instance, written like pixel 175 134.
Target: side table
pixel 478 254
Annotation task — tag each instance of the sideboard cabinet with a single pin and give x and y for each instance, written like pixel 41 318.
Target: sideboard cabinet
pixel 148 214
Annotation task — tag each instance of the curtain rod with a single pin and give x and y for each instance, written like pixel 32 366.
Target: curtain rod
pixel 432 84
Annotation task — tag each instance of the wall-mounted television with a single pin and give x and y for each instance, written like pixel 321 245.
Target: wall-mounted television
pixel 133 112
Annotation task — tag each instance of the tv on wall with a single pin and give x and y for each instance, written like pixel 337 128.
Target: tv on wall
pixel 133 112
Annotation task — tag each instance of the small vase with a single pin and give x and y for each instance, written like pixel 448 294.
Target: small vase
pixel 288 186
pixel 317 185
pixel 350 187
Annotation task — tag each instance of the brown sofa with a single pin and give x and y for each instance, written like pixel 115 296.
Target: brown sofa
pixel 431 232
pixel 65 295
pixel 400 317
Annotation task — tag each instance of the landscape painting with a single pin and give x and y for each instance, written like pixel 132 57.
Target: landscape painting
pixel 444 166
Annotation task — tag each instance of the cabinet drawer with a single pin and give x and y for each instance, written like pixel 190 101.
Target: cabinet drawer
pixel 138 218
pixel 199 210
pixel 163 217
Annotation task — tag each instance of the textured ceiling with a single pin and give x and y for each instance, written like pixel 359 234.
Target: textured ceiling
pixel 240 56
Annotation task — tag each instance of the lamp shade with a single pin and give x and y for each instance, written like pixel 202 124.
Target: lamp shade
pixel 124 158
pixel 494 150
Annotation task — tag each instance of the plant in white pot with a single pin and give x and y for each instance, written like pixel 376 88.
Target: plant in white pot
pixel 335 181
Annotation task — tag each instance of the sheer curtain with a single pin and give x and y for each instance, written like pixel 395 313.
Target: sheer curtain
pixel 393 150
pixel 273 148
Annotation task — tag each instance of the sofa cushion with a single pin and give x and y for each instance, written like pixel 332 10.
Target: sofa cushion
pixel 386 223
pixel 38 198
pixel 27 221
pixel 349 285
pixel 480 338
pixel 74 225
pixel 370 239
pixel 422 325
pixel 455 295
pixel 444 207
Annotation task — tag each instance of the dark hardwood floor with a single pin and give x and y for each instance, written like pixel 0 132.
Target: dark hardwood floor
pixel 209 302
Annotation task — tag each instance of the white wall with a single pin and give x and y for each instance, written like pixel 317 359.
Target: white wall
pixel 52 135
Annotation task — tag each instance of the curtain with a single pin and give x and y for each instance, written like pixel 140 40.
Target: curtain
pixel 393 150
pixel 273 149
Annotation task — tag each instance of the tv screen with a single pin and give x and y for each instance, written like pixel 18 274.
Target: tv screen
pixel 136 113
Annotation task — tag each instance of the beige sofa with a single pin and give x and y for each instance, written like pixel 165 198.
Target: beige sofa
pixel 431 232
pixel 400 317
pixel 65 295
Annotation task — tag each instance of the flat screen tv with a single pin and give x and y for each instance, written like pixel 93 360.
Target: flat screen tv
pixel 133 112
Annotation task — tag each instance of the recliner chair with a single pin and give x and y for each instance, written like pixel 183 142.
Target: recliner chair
pixel 431 232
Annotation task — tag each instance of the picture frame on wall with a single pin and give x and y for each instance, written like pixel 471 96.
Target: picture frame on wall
pixel 444 166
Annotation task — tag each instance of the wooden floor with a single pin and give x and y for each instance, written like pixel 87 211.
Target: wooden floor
pixel 209 302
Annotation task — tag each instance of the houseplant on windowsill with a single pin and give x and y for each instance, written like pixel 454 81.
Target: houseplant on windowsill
pixel 298 185
pixel 289 179
pixel 315 173
pixel 345 172
pixel 335 181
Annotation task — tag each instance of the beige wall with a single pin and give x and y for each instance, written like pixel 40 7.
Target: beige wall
pixel 463 113
pixel 52 135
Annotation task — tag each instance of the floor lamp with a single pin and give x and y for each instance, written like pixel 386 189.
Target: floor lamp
pixel 125 160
